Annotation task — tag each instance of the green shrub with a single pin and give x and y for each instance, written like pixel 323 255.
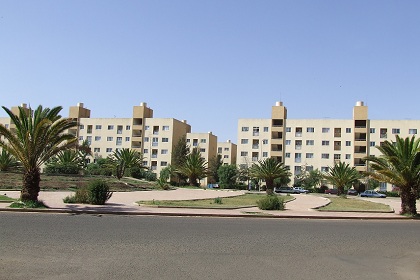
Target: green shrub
pixel 81 196
pixel 218 200
pixel 150 176
pixel 62 168
pixel 28 204
pixel 98 192
pixel 270 202
pixel 391 194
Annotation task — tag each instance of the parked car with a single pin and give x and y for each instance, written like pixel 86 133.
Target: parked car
pixel 286 190
pixel 352 192
pixel 372 194
pixel 301 190
pixel 331 191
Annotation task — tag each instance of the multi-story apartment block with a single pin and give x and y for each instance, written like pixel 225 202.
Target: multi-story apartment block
pixel 228 151
pixel 262 138
pixel 320 143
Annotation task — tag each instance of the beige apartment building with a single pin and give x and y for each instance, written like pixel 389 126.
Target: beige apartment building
pixel 228 152
pixel 320 143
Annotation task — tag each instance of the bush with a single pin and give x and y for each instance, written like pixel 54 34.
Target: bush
pixel 62 168
pixel 218 200
pixel 98 192
pixel 391 194
pixel 270 202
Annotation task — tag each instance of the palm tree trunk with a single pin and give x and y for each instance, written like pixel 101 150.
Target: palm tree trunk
pixel 269 187
pixel 408 201
pixel 30 190
pixel 340 190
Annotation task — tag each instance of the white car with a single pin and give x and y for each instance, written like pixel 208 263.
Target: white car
pixel 300 190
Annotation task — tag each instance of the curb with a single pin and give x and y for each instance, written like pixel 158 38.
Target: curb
pixel 129 213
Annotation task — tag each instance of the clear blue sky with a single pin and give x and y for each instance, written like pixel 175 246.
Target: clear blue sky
pixel 213 62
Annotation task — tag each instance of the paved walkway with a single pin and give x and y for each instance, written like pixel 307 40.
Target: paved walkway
pixel 125 203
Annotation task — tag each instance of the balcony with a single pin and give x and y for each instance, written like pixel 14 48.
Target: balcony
pixel 298 134
pixel 298 147
pixel 255 146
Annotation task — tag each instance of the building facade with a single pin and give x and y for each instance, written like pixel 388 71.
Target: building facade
pixel 319 143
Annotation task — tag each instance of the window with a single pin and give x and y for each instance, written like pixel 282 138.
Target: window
pixel 348 156
pixel 298 157
pixel 127 127
pixel 219 150
pixel 288 129
pixel 127 139
pixel 188 140
pixel 97 138
pixel 372 130
pixel 119 141
pixel 119 129
pixel 298 169
pixel 325 156
pixel 245 128
pixel 255 131
pixel 108 150
pixel 287 155
pixel 309 142
pixel 146 139
pixel 244 141
pixel 98 127
pixel 110 127
pixel 348 143
pixel 265 154
pixel 89 129
pixel 89 139
pixel 165 128
pixel 288 142
pixel 146 127
pixel 202 150
pixel 96 150
pixel 82 126
pixel 309 155
pixel 265 141
pixel 163 163
pixel 395 131
pixel 265 128
pixel 164 151
pixel 155 141
pixel 145 151
pixel 310 129
pixel 337 156
pixel 324 168
pixel 382 187
pixel 325 143
pixel 81 138
pixel 165 139
pixel 226 156
pixel 109 138
pixel 325 129
pixel 372 144
pixel 203 140
pixel 412 131
pixel 348 130
pixel 244 154
pixel 226 149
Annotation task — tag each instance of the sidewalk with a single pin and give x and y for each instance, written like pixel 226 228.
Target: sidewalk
pixel 124 203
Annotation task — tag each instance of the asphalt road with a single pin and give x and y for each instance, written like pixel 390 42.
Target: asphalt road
pixel 62 246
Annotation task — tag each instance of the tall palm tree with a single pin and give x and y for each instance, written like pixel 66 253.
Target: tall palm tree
pixel 269 169
pixel 342 175
pixel 7 161
pixel 37 137
pixel 126 158
pixel 399 165
pixel 194 167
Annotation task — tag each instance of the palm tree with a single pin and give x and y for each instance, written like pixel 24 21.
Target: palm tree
pixel 269 169
pixel 125 158
pixel 7 161
pixel 342 175
pixel 194 167
pixel 37 137
pixel 399 165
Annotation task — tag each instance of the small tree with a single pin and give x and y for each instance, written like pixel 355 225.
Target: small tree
pixel 194 168
pixel 268 170
pixel 227 175
pixel 125 158
pixel 342 176
pixel 214 164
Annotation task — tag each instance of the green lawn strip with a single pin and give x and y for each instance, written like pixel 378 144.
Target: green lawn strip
pixel 339 204
pixel 241 201
pixel 4 198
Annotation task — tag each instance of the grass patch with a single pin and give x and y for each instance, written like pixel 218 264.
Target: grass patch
pixel 28 204
pixel 342 204
pixel 245 200
pixel 4 198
